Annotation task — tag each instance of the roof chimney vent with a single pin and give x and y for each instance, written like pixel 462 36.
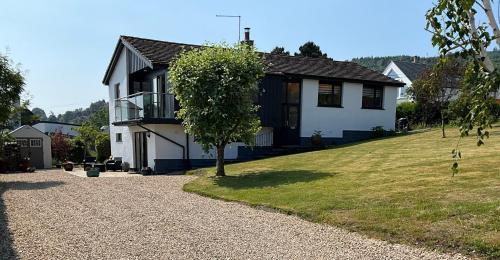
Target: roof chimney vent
pixel 247 37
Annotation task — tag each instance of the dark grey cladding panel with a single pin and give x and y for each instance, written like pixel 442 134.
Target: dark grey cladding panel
pixel 135 62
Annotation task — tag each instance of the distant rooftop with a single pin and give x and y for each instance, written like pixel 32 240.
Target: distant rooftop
pixel 410 69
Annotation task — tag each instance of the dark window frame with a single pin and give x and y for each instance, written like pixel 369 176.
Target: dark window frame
pixel 119 140
pixel 375 88
pixel 117 90
pixel 332 84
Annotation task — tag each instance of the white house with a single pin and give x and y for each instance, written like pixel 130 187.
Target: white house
pixel 51 128
pixel 406 72
pixel 34 145
pixel 298 96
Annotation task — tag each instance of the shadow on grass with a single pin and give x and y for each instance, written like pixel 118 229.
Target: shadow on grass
pixel 269 179
pixel 7 250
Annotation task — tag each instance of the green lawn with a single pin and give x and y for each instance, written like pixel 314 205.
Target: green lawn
pixel 398 189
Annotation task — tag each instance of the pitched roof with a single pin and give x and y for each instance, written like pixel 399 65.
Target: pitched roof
pixel 411 70
pixel 162 52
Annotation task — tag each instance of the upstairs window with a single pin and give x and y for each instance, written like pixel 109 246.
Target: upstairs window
pixel 330 94
pixel 372 97
pixel 118 137
pixel 117 91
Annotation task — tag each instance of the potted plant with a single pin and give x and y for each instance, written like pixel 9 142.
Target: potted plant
pixel 316 139
pixel 68 166
pixel 93 172
pixel 126 166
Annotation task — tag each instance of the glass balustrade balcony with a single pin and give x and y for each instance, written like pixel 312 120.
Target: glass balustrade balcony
pixel 144 105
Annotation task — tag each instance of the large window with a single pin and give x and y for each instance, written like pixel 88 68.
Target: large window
pixel 330 94
pixel 372 97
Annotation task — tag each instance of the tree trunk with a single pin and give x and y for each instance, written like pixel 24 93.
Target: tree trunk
pixel 220 161
pixel 487 64
pixel 491 19
pixel 442 124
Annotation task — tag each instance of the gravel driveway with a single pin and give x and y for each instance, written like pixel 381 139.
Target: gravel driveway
pixel 54 215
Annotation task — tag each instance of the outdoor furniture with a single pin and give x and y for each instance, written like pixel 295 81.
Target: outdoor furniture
pixel 100 166
pixel 88 162
pixel 114 165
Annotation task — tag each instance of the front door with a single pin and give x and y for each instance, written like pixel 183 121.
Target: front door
pixel 140 150
pixel 290 134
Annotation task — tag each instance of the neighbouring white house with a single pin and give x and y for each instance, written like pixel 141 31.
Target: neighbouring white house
pixel 34 145
pixel 298 96
pixel 51 128
pixel 406 72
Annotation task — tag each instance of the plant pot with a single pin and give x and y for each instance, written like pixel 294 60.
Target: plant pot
pixel 125 167
pixel 93 172
pixel 316 141
pixel 68 166
pixel 146 171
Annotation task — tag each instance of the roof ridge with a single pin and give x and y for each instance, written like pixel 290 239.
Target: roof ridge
pixel 162 41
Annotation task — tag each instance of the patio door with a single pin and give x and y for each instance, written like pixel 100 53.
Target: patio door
pixel 290 109
pixel 140 150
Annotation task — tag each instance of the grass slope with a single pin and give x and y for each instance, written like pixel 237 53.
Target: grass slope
pixel 398 189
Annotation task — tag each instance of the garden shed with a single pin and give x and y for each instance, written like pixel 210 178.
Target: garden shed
pixel 35 145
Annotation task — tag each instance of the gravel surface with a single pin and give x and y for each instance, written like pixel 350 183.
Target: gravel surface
pixel 55 215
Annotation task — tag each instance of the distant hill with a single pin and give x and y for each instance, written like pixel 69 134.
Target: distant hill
pixel 379 63
pixel 77 116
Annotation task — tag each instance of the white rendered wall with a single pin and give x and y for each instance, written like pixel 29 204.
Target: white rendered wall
pixel 122 149
pixel 331 121
pixel 401 77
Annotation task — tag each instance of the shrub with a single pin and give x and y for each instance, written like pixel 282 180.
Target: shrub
pixel 77 152
pixel 61 147
pixel 103 147
pixel 377 132
pixel 406 110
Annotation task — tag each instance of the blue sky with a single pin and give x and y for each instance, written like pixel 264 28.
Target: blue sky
pixel 65 46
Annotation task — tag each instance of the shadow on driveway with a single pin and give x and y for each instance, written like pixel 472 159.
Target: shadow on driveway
pixel 7 250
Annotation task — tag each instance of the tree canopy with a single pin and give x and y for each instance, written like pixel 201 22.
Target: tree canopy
pixel 455 31
pixel 280 51
pixel 436 87
pixel 11 87
pixel 216 87
pixel 310 49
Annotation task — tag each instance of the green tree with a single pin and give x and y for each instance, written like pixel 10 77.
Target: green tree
pixel 280 51
pixel 103 147
pixel 310 49
pixel 435 88
pixel 11 86
pixel 88 134
pixel 455 30
pixel 216 87
pixel 100 118
pixel 39 113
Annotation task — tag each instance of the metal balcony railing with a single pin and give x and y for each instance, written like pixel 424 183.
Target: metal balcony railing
pixel 144 105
